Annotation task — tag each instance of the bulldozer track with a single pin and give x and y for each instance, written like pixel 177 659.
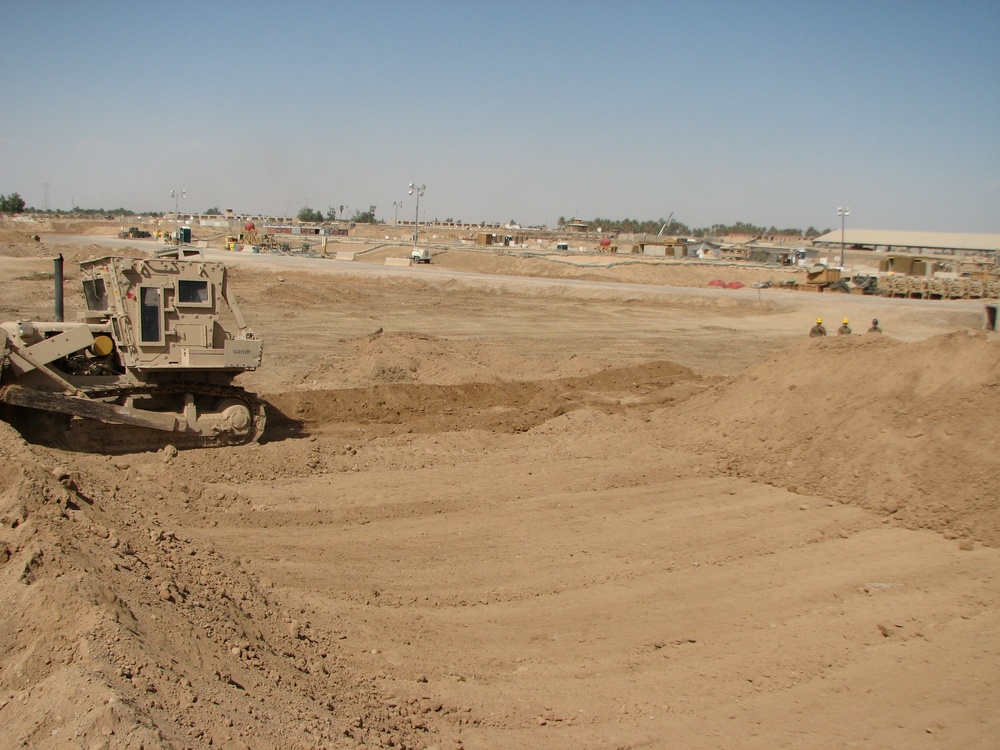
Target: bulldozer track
pixel 88 435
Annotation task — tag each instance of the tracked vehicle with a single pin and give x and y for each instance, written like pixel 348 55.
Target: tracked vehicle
pixel 151 362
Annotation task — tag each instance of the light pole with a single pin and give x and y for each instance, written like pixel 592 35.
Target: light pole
pixel 177 196
pixel 416 218
pixel 842 212
pixel 395 214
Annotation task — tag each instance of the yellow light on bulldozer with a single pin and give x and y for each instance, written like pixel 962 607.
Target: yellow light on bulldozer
pixel 102 346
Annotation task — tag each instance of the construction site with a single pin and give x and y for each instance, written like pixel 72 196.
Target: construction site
pixel 908 265
pixel 532 493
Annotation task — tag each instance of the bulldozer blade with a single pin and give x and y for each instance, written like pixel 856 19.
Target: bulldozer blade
pixel 81 407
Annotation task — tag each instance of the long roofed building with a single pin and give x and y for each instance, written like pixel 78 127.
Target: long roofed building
pixel 937 243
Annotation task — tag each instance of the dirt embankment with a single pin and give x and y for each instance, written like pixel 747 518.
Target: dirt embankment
pixel 907 429
pixel 122 631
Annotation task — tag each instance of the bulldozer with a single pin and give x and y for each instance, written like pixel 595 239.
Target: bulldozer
pixel 133 233
pixel 150 363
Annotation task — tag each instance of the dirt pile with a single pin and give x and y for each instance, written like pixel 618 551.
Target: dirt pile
pixel 907 429
pixel 122 632
pixel 27 274
pixel 493 406
pixel 404 357
pixel 15 244
pixel 18 243
pixel 95 227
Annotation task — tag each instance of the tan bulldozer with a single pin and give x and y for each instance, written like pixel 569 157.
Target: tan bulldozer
pixel 150 363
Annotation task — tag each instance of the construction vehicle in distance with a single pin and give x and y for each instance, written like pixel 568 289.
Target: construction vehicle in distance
pixel 150 364
pixel 252 237
pixel 420 255
pixel 133 233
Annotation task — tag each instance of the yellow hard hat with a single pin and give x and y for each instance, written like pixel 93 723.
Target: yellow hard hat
pixel 819 320
pixel 845 320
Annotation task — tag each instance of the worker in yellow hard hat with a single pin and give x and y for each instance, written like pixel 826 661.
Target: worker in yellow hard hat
pixel 844 328
pixel 818 329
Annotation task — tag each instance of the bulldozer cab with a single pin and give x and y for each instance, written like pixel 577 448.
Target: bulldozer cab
pixel 173 311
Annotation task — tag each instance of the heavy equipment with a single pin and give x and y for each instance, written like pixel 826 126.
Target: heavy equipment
pixel 133 233
pixel 151 362
pixel 252 238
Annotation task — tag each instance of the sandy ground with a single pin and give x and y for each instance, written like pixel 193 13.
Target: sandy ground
pixel 510 502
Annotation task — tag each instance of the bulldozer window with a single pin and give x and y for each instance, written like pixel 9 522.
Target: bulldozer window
pixel 151 314
pixel 193 292
pixel 96 294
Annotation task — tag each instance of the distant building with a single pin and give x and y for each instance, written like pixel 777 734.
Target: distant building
pixel 932 243
pixel 576 225
pixel 760 253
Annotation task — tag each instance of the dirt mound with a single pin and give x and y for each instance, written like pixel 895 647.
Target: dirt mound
pixel 908 429
pixel 16 244
pixel 493 406
pixel 298 291
pixel 21 245
pixel 27 278
pixel 408 357
pixel 121 632
pixel 621 268
pixel 63 225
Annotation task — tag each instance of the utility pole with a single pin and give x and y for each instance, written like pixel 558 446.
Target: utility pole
pixel 416 219
pixel 842 212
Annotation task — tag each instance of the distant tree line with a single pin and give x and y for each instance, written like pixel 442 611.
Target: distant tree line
pixel 88 213
pixel 11 204
pixel 308 214
pixel 675 228
pixel 91 212
pixel 358 217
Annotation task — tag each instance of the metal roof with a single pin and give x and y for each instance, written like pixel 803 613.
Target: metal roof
pixel 943 240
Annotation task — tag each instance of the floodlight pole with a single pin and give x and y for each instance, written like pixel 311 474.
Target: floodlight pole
pixel 177 196
pixel 842 212
pixel 416 218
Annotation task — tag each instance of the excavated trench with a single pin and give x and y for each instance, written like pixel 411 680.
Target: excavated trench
pixel 496 407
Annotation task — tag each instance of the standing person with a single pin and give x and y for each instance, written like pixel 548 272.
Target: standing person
pixel 844 329
pixel 875 328
pixel 818 329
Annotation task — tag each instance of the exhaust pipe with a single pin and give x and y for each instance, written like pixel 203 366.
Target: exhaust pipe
pixel 58 273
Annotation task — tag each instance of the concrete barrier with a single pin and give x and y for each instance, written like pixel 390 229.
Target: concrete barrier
pixel 341 255
pixel 397 261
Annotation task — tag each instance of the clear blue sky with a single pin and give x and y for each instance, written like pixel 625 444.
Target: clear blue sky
pixel 766 112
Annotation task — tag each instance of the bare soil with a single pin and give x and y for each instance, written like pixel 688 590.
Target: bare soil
pixel 517 502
